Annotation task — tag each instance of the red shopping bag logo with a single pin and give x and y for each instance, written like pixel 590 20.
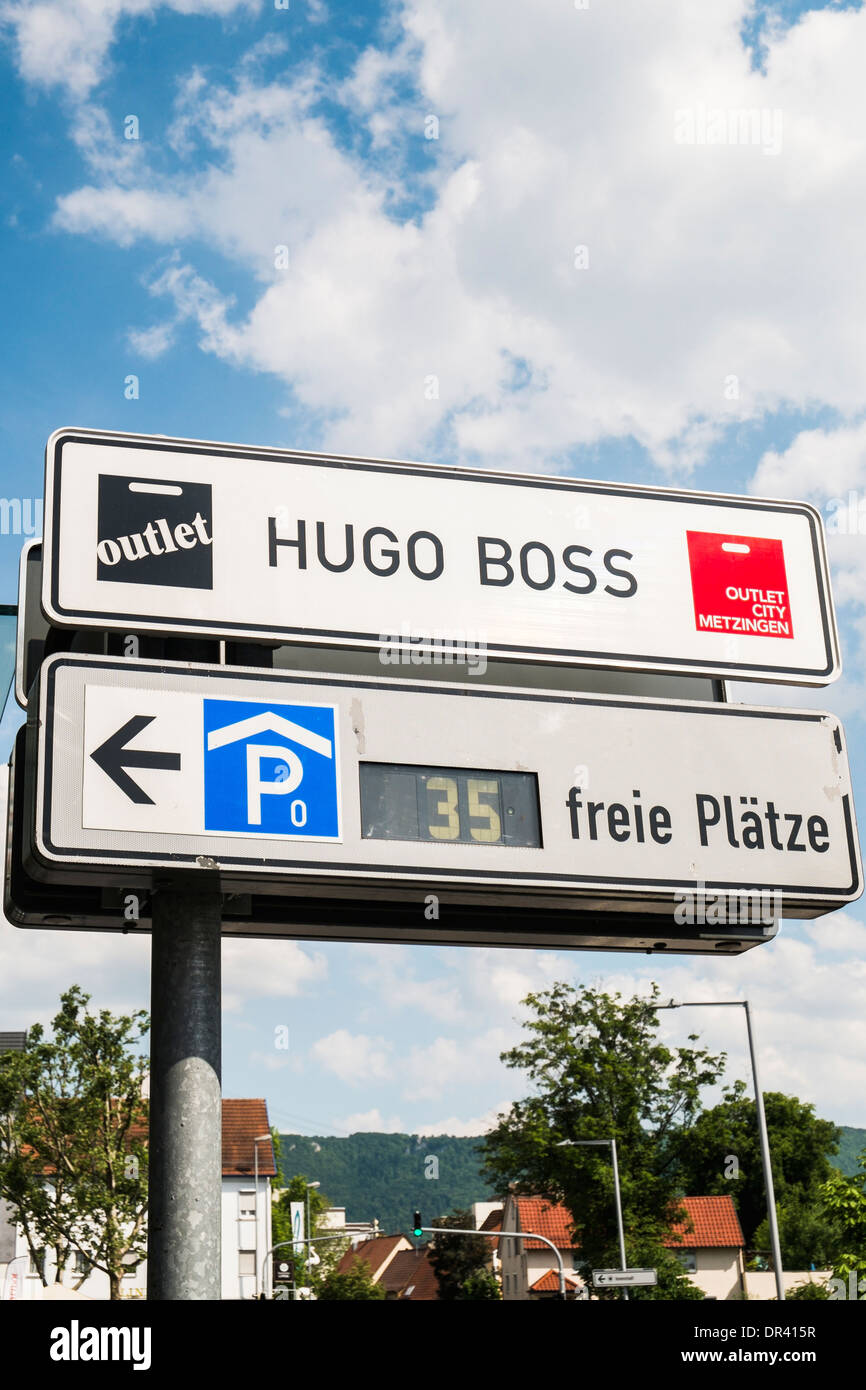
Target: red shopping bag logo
pixel 739 584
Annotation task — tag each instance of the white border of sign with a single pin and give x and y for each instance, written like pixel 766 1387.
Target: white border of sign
pixel 818 675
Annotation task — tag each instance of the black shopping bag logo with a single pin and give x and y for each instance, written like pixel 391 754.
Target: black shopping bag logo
pixel 155 531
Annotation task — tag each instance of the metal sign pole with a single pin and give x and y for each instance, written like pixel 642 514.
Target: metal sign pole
pixel 185 1101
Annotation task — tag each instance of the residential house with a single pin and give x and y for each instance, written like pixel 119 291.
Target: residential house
pixel 405 1273
pixel 377 1254
pixel 246 1220
pixel 708 1244
pixel 529 1267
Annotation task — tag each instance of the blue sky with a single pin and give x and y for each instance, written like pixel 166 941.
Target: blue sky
pixel 714 338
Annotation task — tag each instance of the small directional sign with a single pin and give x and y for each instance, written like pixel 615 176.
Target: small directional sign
pixel 623 1278
pixel 275 780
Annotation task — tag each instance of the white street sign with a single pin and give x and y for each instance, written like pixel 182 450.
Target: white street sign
pixel 279 779
pixel 178 536
pixel 623 1278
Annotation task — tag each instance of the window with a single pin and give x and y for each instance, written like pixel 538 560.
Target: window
pixel 688 1259
pixel 82 1264
pixel 247 1262
pixel 247 1205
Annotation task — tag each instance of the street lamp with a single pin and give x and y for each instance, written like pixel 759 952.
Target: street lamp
pixel 259 1140
pixel 597 1143
pixel 762 1122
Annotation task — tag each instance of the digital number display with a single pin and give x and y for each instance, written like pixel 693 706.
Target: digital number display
pixel 449 804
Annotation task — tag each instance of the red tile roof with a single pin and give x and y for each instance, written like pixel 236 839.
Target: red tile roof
pixel 410 1275
pixel 244 1121
pixel 375 1253
pixel 535 1214
pixel 549 1282
pixel 710 1221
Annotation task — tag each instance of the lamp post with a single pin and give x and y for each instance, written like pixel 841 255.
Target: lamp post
pixel 259 1140
pixel 762 1122
pixel 598 1143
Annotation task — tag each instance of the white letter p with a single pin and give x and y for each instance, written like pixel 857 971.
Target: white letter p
pixel 256 788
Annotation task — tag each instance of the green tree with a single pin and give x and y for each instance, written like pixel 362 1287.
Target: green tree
pixel 456 1260
pixel 482 1286
pixel 600 1072
pixel 353 1284
pixel 326 1253
pixel 722 1154
pixel 844 1201
pixel 73 1163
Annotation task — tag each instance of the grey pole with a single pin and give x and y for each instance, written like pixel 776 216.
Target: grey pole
pixel 762 1124
pixel 765 1159
pixel 185 1148
pixel 596 1144
pixel 622 1263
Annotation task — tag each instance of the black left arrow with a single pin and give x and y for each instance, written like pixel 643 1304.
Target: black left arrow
pixel 114 757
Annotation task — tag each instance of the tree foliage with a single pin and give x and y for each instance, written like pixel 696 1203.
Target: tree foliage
pixel 458 1260
pixel 72 1168
pixel 844 1200
pixel 722 1154
pixel 600 1072
pixel 386 1176
pixel 326 1254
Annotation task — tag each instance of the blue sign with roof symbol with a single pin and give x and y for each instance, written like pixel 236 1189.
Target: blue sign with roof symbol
pixel 271 770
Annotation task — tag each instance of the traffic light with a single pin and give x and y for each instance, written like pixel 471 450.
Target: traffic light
pixel 418 1231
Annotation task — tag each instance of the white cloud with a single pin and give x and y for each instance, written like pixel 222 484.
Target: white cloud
pixel 38 964
pixel 152 342
pixel 267 969
pixel 370 1122
pixel 477 1125
pixel 441 1066
pixel 828 468
pixel 354 1058
pixel 808 1008
pixel 838 932
pixel 707 262
pixel 66 42
pixel 390 973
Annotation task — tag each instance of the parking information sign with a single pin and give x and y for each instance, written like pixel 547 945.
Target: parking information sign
pixel 280 780
pixel 178 536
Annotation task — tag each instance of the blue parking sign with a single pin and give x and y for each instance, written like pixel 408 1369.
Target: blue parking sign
pixel 271 769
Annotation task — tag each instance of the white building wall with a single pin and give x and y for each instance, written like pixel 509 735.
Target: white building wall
pixel 717 1272
pixel 238 1236
pixel 761 1284
pixel 243 1235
